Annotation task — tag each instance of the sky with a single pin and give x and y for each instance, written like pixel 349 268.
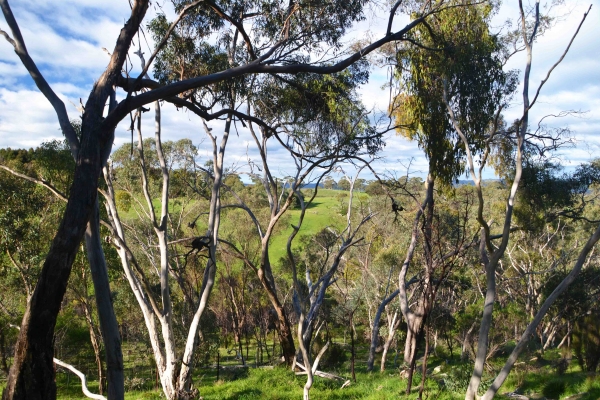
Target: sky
pixel 67 38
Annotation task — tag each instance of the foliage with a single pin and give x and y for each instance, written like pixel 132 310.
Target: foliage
pixel 546 194
pixel 454 56
pixel 586 342
pixel 324 111
pixel 374 188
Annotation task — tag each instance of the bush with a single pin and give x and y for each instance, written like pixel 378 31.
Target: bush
pixel 123 200
pixel 554 389
pixel 586 342
pixel 334 357
pixel 134 383
pixel 458 378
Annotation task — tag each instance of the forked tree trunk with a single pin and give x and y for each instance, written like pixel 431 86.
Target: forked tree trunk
pixel 394 323
pixel 214 221
pixel 375 329
pixel 414 323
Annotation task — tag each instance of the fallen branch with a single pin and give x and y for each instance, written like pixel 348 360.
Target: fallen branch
pixel 322 374
pixel 74 370
pixel 81 376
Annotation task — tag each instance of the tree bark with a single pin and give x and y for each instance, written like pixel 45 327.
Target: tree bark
pixel 32 374
pixel 106 314
pixel 393 325
pixel 424 366
pixel 284 330
pixel 375 329
pixel 214 221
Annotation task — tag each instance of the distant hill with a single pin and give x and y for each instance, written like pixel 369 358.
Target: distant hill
pixel 469 182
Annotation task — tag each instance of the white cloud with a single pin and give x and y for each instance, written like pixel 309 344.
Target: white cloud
pixel 26 119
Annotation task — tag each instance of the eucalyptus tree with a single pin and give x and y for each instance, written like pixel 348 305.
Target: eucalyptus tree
pixel 491 254
pixel 319 121
pixel 380 263
pixel 175 376
pixel 461 64
pixel 281 39
pixel 324 107
pixel 176 379
pixel 26 233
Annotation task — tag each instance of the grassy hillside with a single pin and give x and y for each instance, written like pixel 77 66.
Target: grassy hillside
pixel 325 211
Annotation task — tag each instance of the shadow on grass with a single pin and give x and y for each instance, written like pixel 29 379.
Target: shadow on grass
pixel 593 394
pixel 246 394
pixel 232 374
pixel 314 204
pixel 553 387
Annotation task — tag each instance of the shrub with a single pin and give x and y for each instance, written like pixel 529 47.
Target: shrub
pixel 554 389
pixel 334 357
pixel 586 342
pixel 123 200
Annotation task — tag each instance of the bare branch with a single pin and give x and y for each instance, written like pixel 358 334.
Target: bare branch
pixel 41 182
pixel 392 14
pixel 81 376
pixel 537 93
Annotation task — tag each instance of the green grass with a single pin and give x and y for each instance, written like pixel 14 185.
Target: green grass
pixel 539 377
pixel 282 384
pixel 535 378
pixel 322 213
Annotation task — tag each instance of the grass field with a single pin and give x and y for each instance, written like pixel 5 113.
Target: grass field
pixel 534 377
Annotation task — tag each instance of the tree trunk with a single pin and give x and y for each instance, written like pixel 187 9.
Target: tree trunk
pixel 491 392
pixel 106 314
pixel 208 280
pixel 32 373
pixel 424 366
pixel 95 339
pixel 413 328
pixel 411 369
pixel 375 329
pixel 484 330
pixel 386 347
pixel 392 332
pixel 284 330
pixel 352 350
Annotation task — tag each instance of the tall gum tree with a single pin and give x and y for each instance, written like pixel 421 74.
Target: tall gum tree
pixel 462 64
pixel 491 255
pixel 309 294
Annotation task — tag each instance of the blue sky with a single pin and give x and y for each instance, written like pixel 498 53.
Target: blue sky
pixel 66 39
